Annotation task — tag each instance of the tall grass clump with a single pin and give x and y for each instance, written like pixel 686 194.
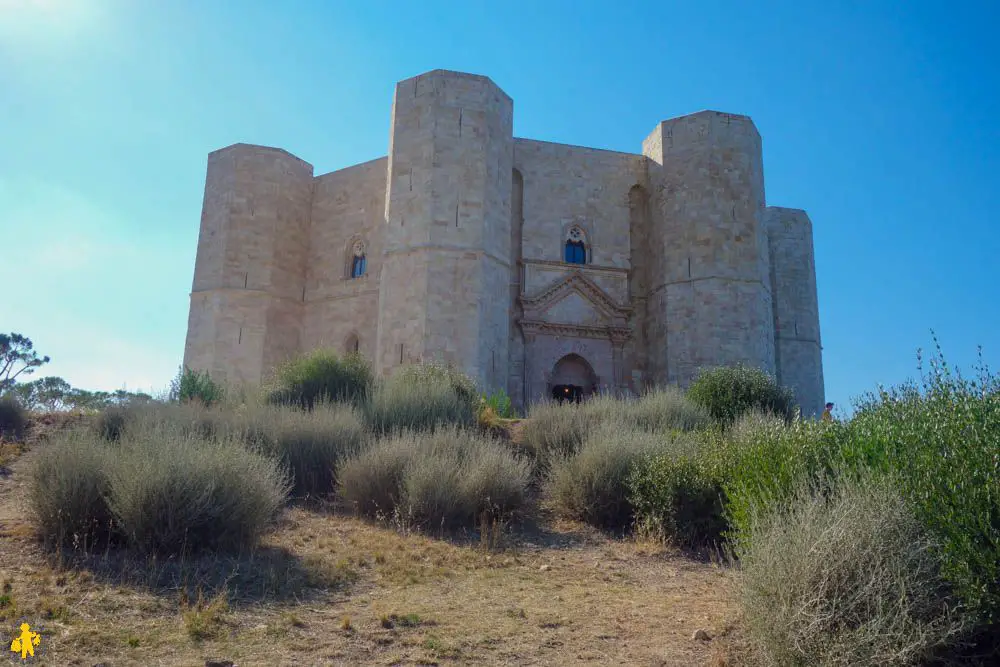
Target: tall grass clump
pixel 311 444
pixel 68 491
pixel 13 418
pixel 446 479
pixel 667 409
pixel 677 499
pixel 727 392
pixel 941 440
pixel 321 376
pixel 156 490
pixel 191 385
pixel 554 431
pixel 172 494
pixel 421 398
pixel 851 579
pixel 591 484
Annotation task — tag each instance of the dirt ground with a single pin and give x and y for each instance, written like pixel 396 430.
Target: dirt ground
pixel 329 589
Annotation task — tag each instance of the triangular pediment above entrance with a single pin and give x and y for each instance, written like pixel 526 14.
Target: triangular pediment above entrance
pixel 574 308
pixel 575 299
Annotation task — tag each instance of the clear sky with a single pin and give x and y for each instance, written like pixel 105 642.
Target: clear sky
pixel 881 119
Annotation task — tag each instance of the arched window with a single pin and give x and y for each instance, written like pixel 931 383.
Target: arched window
pixel 576 247
pixel 359 262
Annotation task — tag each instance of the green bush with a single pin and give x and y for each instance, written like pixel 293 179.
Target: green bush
pixel 728 392
pixel 499 402
pixel 592 484
pixel 322 376
pixel 421 398
pixel 190 385
pixel 310 444
pixel 760 461
pixel 940 440
pixel 68 491
pixel 13 418
pixel 445 479
pixel 848 580
pixel 676 499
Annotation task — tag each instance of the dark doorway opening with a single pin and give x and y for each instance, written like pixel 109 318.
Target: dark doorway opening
pixel 567 392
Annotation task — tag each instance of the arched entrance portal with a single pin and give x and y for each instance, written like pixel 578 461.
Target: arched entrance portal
pixel 573 379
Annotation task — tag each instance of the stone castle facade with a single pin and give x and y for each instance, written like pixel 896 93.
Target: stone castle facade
pixel 526 263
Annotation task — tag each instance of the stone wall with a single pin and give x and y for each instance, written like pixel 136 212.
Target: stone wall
pixel 348 206
pixel 796 308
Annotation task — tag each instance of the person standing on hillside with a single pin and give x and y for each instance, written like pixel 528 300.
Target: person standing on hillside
pixel 828 413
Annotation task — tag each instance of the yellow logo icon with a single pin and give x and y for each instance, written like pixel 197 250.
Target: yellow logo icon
pixel 26 642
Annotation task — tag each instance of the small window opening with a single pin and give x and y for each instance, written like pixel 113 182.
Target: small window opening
pixel 576 248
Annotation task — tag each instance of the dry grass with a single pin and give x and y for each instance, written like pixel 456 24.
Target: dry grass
pixel 326 588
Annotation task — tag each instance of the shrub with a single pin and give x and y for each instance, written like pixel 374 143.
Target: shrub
pixel 592 484
pixel 939 439
pixel 310 444
pixel 761 461
pixel 847 581
pixel 675 498
pixel 499 402
pixel 370 480
pixel 730 391
pixel 666 409
pixel 434 373
pixel 13 418
pixel 421 398
pixel 171 494
pixel 445 479
pixel 190 385
pixel 68 491
pixel 109 424
pixel 322 376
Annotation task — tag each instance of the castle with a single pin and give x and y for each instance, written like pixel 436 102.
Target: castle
pixel 527 264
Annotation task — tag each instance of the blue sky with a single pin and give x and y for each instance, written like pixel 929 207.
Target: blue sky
pixel 880 121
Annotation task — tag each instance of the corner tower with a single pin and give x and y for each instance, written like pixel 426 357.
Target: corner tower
pixel 249 276
pixel 709 290
pixel 445 281
pixel 798 349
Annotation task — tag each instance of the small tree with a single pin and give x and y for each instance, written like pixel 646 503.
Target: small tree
pixel 17 357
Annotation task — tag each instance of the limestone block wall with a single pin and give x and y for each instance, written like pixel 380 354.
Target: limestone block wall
pixel 796 306
pixel 569 185
pixel 249 281
pixel 447 237
pixel 709 300
pixel 348 206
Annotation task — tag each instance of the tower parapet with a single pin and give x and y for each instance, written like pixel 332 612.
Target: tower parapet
pixel 709 297
pixel 444 292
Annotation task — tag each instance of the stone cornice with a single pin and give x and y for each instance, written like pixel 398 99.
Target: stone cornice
pixel 616 334
pixel 585 268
